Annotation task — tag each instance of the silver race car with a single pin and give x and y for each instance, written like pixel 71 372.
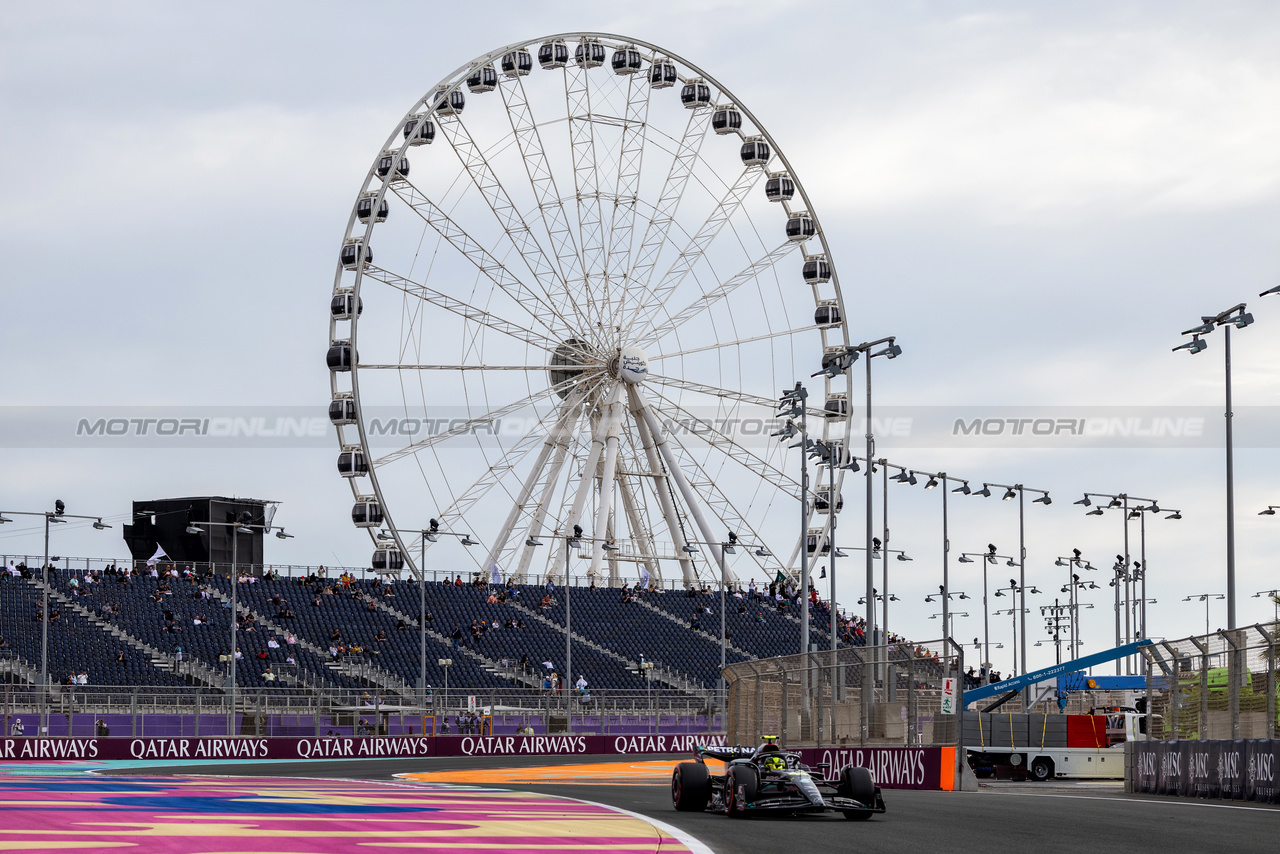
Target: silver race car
pixel 768 779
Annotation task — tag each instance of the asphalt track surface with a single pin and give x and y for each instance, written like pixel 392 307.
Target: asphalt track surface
pixel 1067 817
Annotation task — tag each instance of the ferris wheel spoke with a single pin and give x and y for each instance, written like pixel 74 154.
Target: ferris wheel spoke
pixel 460 308
pixel 717 294
pixel 472 424
pixel 737 342
pixel 509 218
pixel 586 180
pixel 469 248
pixel 550 207
pixel 365 367
pixel 708 432
pixel 725 393
pixel 626 189
pixel 651 299
pixel 659 225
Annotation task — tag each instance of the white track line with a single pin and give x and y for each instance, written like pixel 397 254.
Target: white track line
pixel 1185 802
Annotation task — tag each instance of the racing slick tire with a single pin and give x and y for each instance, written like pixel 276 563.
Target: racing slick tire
pixel 748 779
pixel 690 787
pixel 1041 770
pixel 856 784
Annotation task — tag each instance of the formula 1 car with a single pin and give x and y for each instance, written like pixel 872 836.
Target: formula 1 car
pixel 768 779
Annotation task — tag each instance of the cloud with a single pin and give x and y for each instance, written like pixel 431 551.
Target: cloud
pixel 1069 126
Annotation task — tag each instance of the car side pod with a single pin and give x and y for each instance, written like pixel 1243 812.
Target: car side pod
pixel 690 787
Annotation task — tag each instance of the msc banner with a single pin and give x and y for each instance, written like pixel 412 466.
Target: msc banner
pixel 332 747
pixel 1242 770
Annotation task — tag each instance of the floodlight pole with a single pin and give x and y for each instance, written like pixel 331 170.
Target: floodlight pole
pixel 1231 493
pixel 1235 316
pixel 50 517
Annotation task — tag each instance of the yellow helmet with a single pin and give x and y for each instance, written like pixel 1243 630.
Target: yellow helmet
pixel 774 763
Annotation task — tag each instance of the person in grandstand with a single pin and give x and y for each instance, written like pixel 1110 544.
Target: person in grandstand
pixel 17 728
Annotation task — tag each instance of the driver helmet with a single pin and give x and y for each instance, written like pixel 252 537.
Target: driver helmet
pixel 774 763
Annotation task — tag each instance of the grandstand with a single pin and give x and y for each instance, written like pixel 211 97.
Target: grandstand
pixel 314 628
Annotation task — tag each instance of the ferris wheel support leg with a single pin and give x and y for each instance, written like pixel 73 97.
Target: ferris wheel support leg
pixel 588 479
pixel 612 534
pixel 544 501
pixel 569 407
pixel 663 489
pixel 612 428
pixel 638 532
pixel 673 470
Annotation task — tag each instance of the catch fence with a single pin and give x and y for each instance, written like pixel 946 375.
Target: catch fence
pixel 877 696
pixel 1220 685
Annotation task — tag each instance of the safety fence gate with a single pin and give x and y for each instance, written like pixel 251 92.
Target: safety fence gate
pixel 899 694
pixel 1216 686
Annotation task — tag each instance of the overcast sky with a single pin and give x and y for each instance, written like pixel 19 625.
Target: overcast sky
pixel 1036 198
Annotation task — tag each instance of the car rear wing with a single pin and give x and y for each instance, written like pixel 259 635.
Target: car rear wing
pixel 723 752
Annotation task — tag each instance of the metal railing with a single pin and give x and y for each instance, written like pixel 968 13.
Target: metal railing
pixel 83 565
pixel 137 712
pixel 819 699
pixel 1216 686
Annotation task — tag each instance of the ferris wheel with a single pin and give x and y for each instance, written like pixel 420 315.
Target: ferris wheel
pixel 573 283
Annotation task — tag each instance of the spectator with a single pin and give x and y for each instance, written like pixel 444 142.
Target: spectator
pixel 17 728
pixel 100 729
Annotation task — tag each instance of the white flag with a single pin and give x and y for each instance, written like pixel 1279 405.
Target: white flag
pixel 644 576
pixel 494 575
pixel 155 558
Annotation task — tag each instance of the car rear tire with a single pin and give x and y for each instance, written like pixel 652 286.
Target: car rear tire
pixel 746 777
pixel 1041 770
pixel 856 784
pixel 690 787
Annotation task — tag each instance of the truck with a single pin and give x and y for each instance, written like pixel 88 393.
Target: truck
pixel 1093 746
pixel 1042 746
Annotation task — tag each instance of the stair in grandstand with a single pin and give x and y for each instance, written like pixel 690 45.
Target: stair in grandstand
pixel 707 635
pixel 661 673
pixel 13 669
pixel 362 671
pixel 486 663
pixel 160 660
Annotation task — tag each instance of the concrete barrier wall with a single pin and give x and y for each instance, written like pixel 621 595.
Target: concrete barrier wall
pixel 1242 770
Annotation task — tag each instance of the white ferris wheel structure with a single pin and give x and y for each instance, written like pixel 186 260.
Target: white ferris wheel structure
pixel 575 279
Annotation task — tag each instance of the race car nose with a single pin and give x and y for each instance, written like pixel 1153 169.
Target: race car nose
pixel 806 786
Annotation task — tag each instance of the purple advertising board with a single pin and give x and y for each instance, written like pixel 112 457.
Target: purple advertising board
pixel 331 747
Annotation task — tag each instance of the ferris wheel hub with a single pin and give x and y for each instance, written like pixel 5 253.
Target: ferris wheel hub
pixel 631 365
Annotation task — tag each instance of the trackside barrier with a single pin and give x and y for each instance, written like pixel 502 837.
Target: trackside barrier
pixel 892 767
pixel 46 749
pixel 1241 770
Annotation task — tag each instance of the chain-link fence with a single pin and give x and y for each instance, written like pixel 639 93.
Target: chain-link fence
pixel 882 695
pixel 1215 686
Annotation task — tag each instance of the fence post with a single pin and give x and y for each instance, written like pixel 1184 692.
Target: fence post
pixel 1233 681
pixel 912 705
pixel 782 674
pixel 1204 686
pixel 1270 640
